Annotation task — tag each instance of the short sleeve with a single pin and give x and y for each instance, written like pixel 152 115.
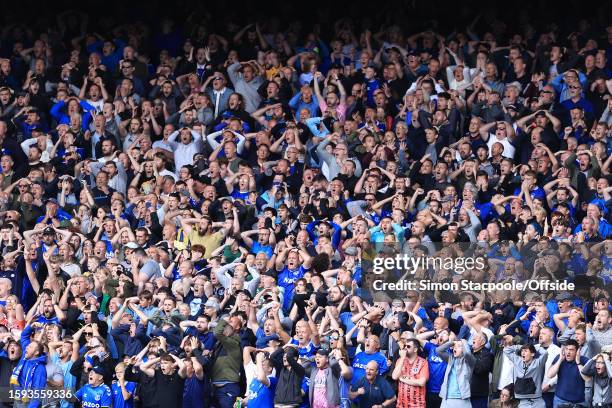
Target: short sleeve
pixel 79 394
pixel 131 387
pixel 357 385
pixel 386 389
pixel 107 398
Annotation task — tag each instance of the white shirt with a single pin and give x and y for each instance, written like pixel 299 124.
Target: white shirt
pixel 553 351
pixel 183 153
pixel 509 149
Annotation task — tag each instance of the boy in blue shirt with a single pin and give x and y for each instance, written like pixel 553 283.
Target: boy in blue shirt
pixel 262 388
pixel 122 391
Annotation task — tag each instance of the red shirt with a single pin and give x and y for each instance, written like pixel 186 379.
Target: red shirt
pixel 412 396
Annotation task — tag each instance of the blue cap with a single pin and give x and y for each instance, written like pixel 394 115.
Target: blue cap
pixel 99 370
pixel 263 342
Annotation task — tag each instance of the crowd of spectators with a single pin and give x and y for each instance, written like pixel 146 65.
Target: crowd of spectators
pixel 189 212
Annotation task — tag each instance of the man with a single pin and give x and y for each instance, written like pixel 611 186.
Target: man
pixel 570 383
pixel 335 160
pixel 190 143
pixel 483 366
pixel 291 272
pixel 372 390
pixel 63 354
pixel 199 329
pixel 262 388
pixel 246 83
pixel 203 234
pixel 504 134
pixel 371 353
pixel 602 328
pixel 599 369
pixel 290 374
pixel 30 372
pixel 436 365
pixel 143 268
pixel 169 381
pixel 528 374
pixel 225 372
pixel 412 372
pixel 95 393
pixel 219 94
pixel 545 341
pixel 455 391
pixel 324 388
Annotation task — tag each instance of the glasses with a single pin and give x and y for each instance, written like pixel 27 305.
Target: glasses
pixel 89 334
pixel 548 92
pixel 574 87
pixel 501 128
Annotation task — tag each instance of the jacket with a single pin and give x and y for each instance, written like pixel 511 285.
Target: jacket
pixel 464 367
pixel 247 89
pixel 289 386
pixel 332 382
pixel 226 367
pixel 535 369
pixel 29 373
pixel 480 377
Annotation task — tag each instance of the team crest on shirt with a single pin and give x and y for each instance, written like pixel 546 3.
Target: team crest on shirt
pixel 415 370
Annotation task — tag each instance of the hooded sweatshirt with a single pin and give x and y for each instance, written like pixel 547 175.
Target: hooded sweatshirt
pixel 534 370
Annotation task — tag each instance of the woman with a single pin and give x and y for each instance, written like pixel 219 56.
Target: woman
pixel 506 398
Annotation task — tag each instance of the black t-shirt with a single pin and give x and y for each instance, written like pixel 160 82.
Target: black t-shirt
pixel 169 389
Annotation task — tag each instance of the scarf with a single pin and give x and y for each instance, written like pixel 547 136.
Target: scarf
pixel 29 375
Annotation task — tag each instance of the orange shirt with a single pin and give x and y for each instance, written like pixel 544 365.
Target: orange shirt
pixel 412 396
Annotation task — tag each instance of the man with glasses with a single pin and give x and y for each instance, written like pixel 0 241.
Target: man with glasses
pixel 563 82
pixel 576 100
pixel 219 94
pixel 127 71
pixel 412 371
pixel 504 134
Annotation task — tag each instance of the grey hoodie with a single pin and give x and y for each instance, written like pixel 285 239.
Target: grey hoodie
pixel 602 389
pixel 535 369
pixel 464 366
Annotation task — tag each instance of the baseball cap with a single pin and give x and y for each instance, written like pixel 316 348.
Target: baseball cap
pixel 48 231
pixel 212 303
pixel 263 342
pixel 515 84
pixel 270 272
pixel 563 296
pixel 350 251
pixel 132 245
pixel 323 352
pixel 99 370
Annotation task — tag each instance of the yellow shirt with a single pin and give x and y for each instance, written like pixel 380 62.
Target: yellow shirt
pixel 209 242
